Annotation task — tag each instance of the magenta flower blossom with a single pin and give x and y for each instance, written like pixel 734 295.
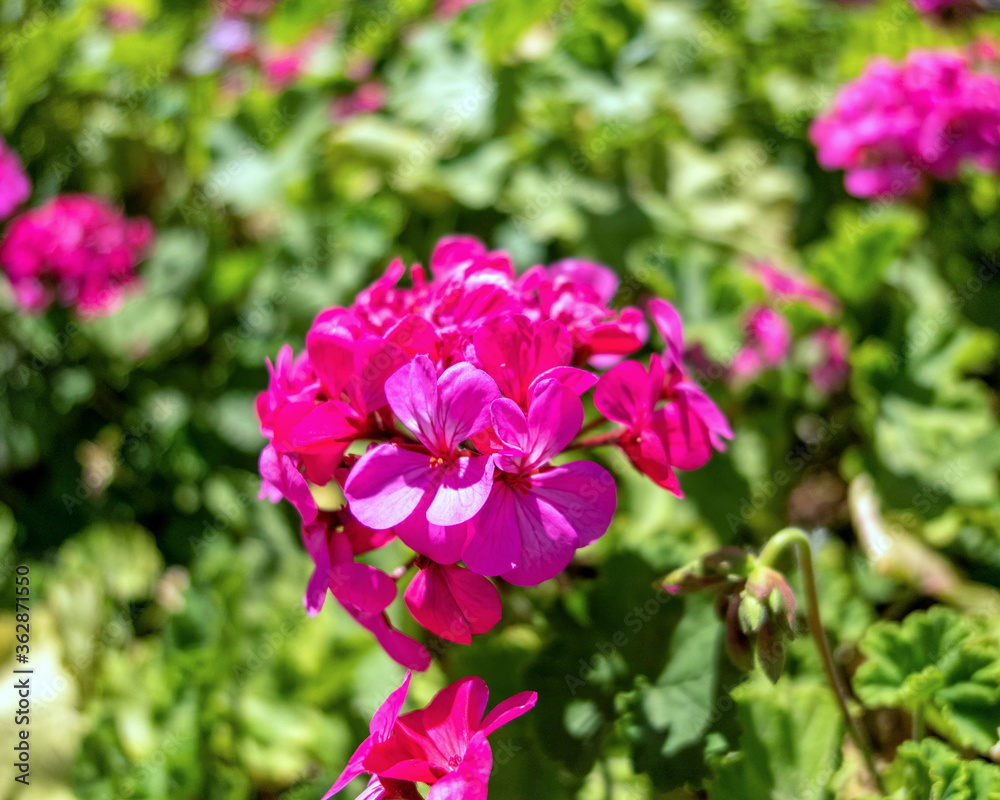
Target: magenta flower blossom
pixel 75 250
pixel 448 485
pixel 452 602
pixel 899 125
pixel 537 514
pixel 445 745
pixel 668 422
pixel 15 187
pixel 445 409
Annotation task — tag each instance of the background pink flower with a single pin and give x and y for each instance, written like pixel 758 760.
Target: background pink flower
pixel 75 250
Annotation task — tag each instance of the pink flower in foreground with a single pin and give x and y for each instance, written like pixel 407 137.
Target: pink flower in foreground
pixel 445 745
pixel 899 124
pixel 537 514
pixel 446 408
pixel 15 187
pixel 452 602
pixel 75 250
pixel 441 483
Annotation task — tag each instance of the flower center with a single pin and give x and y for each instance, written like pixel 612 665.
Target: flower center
pixel 454 761
pixel 519 483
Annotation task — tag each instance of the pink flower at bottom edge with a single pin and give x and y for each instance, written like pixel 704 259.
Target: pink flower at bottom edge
pixel 444 745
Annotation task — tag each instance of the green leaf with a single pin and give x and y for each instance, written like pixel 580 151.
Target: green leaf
pixel 941 664
pixel 790 747
pixel 931 770
pixel 681 699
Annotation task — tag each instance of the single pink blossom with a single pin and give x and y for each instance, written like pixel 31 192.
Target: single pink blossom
pixel 444 745
pixel 390 481
pixel 537 515
pixel 15 187
pixel 452 602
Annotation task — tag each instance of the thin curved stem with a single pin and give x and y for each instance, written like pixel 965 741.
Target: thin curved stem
pixel 797 538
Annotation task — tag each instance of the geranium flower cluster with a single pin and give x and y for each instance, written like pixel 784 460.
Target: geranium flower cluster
pixel 768 339
pixel 444 745
pixel 75 250
pixel 898 125
pixel 444 411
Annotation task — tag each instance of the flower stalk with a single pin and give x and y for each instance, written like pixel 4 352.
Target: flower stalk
pixel 794 537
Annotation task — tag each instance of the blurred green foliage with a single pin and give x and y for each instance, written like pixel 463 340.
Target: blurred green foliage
pixel 667 139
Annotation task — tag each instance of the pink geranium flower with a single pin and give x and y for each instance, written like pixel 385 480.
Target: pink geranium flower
pixel 452 602
pixel 537 514
pixel 899 125
pixel 15 187
pixel 461 388
pixel 440 482
pixel 75 250
pixel 333 541
pixel 668 422
pixel 445 745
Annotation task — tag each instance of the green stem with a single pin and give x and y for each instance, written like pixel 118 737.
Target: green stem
pixel 780 542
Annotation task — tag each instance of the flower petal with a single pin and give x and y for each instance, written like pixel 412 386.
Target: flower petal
pixel 567 507
pixel 362 586
pixel 431 603
pixel 314 537
pixel 279 470
pixel 476 596
pixel 495 544
pixel 387 484
pixel 402 649
pixel 464 486
pixel 440 543
pixel 508 710
pixel 412 393
pixel 385 718
pixel 466 394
